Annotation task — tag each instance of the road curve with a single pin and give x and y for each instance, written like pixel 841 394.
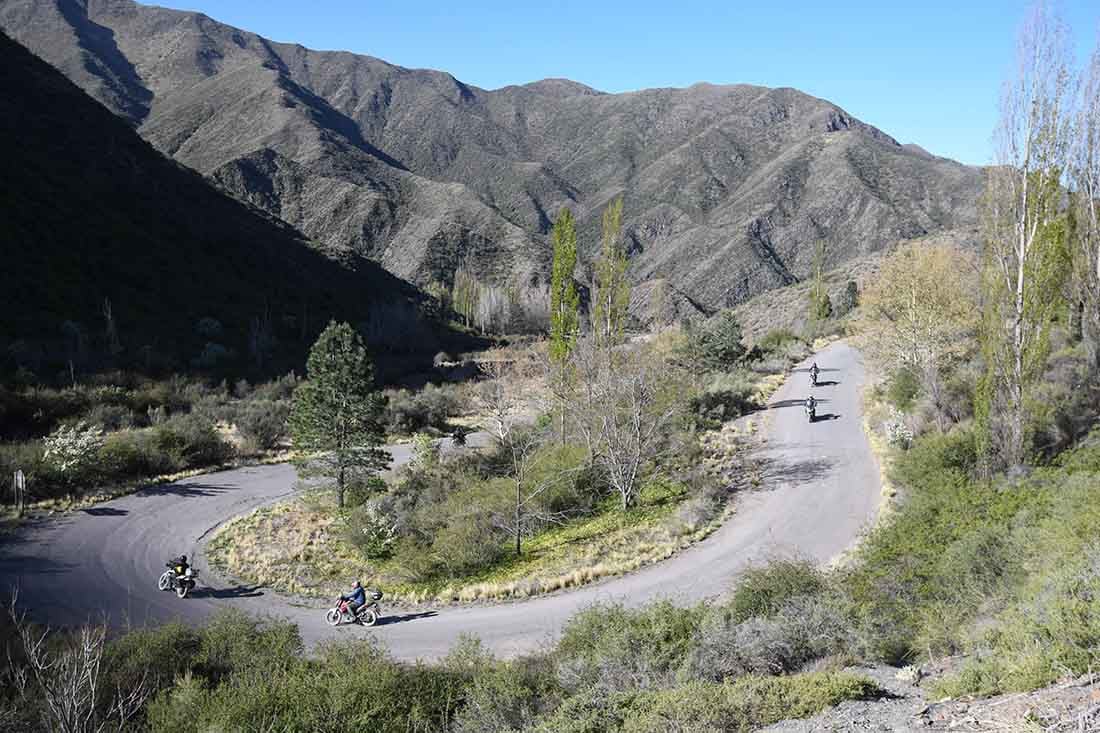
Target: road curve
pixel 821 490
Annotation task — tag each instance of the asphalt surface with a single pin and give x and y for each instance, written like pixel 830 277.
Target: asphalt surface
pixel 821 490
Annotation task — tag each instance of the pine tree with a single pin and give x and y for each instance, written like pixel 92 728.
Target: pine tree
pixel 338 413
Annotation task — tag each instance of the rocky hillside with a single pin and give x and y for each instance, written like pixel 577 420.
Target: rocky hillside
pixel 91 214
pixel 726 188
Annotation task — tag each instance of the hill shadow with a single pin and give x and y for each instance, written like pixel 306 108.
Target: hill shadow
pixel 401 618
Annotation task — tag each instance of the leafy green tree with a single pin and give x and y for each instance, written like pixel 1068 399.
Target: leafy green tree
pixel 338 413
pixel 612 288
pixel 564 306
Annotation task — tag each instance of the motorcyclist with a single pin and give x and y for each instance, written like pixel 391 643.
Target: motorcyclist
pixel 179 566
pixel 811 405
pixel 355 599
pixel 814 371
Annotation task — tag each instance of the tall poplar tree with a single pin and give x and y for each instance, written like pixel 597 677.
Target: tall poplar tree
pixel 564 306
pixel 612 289
pixel 1025 240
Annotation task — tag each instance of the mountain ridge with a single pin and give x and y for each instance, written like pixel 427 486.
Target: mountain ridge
pixel 726 187
pixel 93 218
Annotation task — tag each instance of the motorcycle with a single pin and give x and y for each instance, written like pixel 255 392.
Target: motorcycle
pixel 811 412
pixel 181 585
pixel 366 615
pixel 813 379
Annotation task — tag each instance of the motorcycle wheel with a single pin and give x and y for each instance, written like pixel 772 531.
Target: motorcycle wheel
pixel 332 617
pixel 181 590
pixel 165 581
pixel 368 617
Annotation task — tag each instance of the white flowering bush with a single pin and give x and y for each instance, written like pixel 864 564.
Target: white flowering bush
pixel 898 432
pixel 372 530
pixel 72 449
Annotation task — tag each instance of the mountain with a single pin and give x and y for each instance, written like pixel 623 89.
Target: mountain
pixel 91 215
pixel 726 188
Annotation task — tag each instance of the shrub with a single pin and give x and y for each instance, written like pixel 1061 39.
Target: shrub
pixel 898 432
pixel 762 591
pixel 467 544
pixel 277 390
pixel 371 531
pixel 191 441
pixel 410 412
pixel 508 697
pixel 778 341
pixel 725 397
pixel 360 490
pixel 611 648
pixel 903 388
pixel 263 423
pixel 746 705
pixel 804 629
pixel 126 454
pixel 110 417
pixel 72 450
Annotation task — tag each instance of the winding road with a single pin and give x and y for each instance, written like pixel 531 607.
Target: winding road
pixel 821 490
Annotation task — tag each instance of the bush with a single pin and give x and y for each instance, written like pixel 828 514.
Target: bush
pixel 746 705
pixel 411 412
pixel 725 397
pixel 610 648
pixel 803 630
pixel 903 389
pixel 371 531
pixel 762 591
pixel 191 441
pixel 71 451
pixel 778 341
pixel 110 417
pixel 467 544
pixel 359 490
pixel 263 423
pixel 508 697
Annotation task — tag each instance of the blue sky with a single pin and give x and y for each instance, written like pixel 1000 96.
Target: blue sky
pixel 925 72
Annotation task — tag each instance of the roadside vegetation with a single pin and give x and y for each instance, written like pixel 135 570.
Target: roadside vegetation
pixel 599 454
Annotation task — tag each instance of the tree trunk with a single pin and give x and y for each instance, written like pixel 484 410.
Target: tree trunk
pixel 340 487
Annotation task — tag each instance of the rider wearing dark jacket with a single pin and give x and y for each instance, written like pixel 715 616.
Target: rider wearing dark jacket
pixel 355 599
pixel 179 566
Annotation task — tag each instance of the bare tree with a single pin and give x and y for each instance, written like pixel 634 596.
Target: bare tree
pixel 624 411
pixel 1024 227
pixel 68 679
pixel 501 396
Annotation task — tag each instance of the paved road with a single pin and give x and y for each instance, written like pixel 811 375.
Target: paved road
pixel 821 490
